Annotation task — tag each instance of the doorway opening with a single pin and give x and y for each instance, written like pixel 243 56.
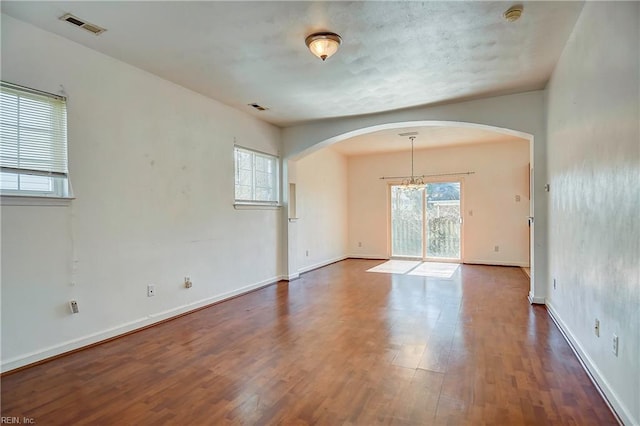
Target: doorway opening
pixel 378 246
pixel 426 222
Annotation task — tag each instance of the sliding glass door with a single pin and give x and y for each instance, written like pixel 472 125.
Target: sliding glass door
pixel 406 223
pixel 426 222
pixel 443 220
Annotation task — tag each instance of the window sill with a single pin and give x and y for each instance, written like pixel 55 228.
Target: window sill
pixel 256 206
pixel 31 200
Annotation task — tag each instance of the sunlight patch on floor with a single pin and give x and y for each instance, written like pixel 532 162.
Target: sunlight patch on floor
pixel 415 267
pixel 395 266
pixel 435 269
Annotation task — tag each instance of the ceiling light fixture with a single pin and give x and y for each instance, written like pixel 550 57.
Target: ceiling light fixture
pixel 323 45
pixel 513 13
pixel 417 182
pixel 413 182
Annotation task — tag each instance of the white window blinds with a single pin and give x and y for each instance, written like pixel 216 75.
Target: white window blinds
pixel 33 140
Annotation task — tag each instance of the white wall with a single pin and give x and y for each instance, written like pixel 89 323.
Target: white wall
pixel 151 165
pixel 321 198
pixel 492 216
pixel 594 166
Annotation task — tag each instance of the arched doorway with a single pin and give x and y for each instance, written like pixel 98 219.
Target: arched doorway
pixel 404 126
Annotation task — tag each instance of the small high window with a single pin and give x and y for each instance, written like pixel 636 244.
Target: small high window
pixel 256 177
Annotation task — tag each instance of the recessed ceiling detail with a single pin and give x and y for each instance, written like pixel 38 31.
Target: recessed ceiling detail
pixel 92 28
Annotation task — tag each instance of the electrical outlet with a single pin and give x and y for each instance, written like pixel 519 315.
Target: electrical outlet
pixel 517 198
pixel 359 243
pixel 496 248
pixel 151 290
pixel 187 282
pixel 306 253
pixel 73 305
pixel 614 347
pixel 596 327
pixel 554 284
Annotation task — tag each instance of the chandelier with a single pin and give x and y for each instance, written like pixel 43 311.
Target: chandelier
pixel 413 182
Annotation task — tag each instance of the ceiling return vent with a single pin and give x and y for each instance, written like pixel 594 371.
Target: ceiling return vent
pixel 258 107
pixel 92 28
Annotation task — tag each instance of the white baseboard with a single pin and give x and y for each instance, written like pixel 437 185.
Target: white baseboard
pixel 496 263
pixel 368 256
pixel 70 345
pixel 321 264
pixel 619 410
pixel 471 262
pixel 536 300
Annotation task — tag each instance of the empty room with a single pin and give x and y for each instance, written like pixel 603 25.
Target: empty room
pixel 323 213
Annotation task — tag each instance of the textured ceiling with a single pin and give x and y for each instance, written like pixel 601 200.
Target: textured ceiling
pixel 394 54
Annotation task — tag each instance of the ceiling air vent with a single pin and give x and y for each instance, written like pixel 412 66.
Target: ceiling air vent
pixel 258 107
pixel 408 134
pixel 92 28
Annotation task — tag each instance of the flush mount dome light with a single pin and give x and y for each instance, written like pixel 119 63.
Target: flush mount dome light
pixel 323 45
pixel 513 13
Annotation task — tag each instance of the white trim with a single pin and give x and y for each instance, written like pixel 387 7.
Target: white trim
pixel 495 263
pixel 321 264
pixel 256 151
pixel 368 256
pixel 33 91
pixel 70 345
pixel 292 277
pixel 619 410
pixel 256 206
pixel 535 300
pixel 26 200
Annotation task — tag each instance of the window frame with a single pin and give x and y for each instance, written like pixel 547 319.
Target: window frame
pixel 56 173
pixel 254 202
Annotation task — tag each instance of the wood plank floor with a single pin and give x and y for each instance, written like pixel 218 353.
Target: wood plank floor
pixel 339 346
